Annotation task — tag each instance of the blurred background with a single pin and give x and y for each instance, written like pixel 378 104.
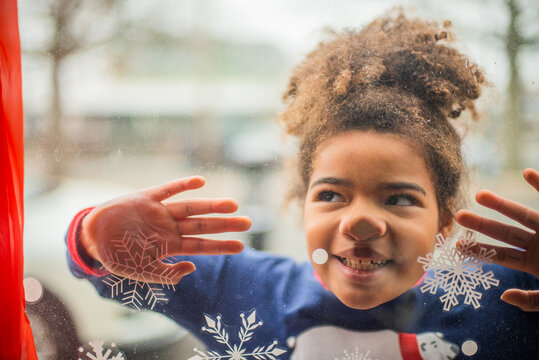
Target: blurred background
pixel 120 95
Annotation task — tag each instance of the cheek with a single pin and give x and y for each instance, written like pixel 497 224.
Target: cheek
pixel 318 236
pixel 418 241
pixel 309 224
pixel 314 235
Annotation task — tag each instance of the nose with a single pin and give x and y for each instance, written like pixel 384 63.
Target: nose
pixel 362 222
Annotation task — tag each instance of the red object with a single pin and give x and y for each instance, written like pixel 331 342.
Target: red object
pixel 72 242
pixel 409 347
pixel 16 341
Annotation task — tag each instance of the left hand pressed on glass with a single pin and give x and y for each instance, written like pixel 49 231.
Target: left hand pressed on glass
pixel 143 224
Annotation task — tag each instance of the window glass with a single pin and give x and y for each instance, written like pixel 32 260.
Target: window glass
pixel 124 95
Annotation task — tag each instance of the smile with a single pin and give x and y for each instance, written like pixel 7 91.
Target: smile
pixel 363 265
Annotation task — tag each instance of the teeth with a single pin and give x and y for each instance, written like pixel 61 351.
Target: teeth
pixel 364 265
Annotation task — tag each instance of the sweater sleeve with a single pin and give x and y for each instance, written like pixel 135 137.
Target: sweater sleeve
pixel 80 262
pixel 221 283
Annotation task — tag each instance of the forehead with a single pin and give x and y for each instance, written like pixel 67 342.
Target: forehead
pixel 364 154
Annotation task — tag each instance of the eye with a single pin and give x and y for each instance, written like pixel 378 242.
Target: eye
pixel 402 200
pixel 329 196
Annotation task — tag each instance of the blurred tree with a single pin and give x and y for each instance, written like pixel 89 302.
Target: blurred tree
pixel 515 40
pixel 520 34
pixel 75 26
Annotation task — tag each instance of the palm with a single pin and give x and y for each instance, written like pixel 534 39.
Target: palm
pixel 151 217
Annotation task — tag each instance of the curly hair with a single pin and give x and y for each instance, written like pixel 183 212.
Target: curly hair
pixel 397 75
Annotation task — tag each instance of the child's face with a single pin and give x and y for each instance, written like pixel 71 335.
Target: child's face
pixel 371 205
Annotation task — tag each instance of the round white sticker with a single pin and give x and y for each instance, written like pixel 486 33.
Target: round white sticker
pixel 33 291
pixel 320 256
pixel 469 348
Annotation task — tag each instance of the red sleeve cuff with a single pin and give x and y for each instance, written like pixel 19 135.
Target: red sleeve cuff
pixel 77 252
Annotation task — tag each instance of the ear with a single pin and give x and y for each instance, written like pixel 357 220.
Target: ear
pixel 446 224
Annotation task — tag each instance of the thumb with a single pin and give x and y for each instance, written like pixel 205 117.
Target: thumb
pixel 181 269
pixel 524 299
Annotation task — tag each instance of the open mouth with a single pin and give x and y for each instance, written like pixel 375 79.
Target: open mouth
pixel 363 265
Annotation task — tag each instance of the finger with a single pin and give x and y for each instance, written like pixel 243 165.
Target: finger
pixel 508 257
pixel 191 207
pixel 509 208
pixel 526 300
pixel 169 274
pixel 164 191
pixel 509 234
pixel 181 270
pixel 532 177
pixel 200 246
pixel 213 225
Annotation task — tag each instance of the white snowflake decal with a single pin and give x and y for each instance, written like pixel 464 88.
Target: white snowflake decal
pixel 237 351
pixel 140 258
pixel 458 271
pixel 98 352
pixel 356 355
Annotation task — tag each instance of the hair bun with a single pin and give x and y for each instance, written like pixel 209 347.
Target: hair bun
pixel 420 60
pixel 409 55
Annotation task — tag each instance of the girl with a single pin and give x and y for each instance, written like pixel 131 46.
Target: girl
pixel 379 172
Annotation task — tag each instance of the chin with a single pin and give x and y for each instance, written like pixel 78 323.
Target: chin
pixel 365 300
pixel 361 306
pixel 362 302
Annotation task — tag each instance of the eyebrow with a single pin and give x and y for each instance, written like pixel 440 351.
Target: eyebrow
pixel 332 181
pixel 401 185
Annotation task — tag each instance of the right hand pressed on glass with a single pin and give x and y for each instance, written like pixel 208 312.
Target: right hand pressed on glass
pixel 526 257
pixel 133 234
